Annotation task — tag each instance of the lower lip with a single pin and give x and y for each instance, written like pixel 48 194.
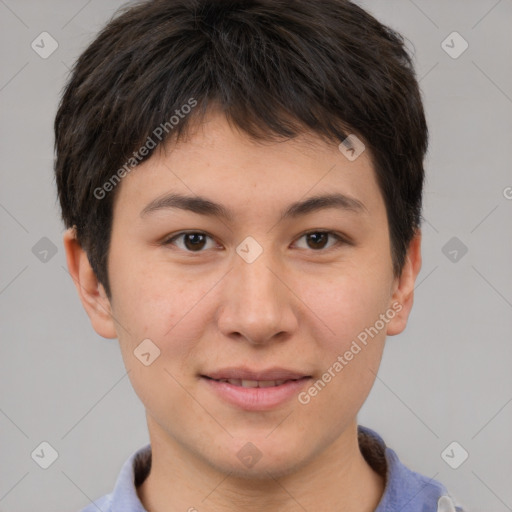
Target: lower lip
pixel 257 399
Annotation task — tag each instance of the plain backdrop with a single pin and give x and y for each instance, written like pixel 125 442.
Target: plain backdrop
pixel 446 379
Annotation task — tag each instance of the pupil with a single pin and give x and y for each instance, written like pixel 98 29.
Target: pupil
pixel 193 244
pixel 323 237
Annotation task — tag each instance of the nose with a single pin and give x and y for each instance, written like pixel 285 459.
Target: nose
pixel 258 304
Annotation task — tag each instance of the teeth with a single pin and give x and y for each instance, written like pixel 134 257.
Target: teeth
pixel 254 383
pixel 268 383
pixel 249 383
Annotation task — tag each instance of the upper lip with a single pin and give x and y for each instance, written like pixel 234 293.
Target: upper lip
pixel 246 374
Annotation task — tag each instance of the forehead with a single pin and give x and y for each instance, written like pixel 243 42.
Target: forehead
pixel 217 161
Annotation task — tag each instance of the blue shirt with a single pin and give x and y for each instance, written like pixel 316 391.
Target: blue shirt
pixel 404 490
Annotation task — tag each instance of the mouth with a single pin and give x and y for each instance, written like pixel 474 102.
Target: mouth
pixel 255 390
pixel 247 383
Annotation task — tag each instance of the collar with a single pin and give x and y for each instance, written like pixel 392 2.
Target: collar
pixel 404 489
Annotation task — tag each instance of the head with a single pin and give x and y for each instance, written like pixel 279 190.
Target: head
pixel 244 104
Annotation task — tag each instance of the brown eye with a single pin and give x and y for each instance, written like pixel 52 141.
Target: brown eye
pixel 192 241
pixel 196 241
pixel 317 240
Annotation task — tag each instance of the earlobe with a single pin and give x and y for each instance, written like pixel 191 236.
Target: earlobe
pixel 90 290
pixel 403 293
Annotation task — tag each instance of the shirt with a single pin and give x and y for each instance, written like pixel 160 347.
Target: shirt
pixel 405 490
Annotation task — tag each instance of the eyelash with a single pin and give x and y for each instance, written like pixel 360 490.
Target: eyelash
pixel 340 240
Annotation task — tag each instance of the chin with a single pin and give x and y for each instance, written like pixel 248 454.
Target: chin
pixel 260 459
pixel 263 470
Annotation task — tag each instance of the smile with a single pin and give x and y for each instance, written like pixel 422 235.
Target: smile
pixel 255 383
pixel 255 394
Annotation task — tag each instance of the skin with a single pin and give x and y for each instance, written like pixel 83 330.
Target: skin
pixel 297 306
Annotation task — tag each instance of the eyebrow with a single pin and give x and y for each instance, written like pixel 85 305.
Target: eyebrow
pixel 204 206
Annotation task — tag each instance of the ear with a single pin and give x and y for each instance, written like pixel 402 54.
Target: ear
pixel 403 287
pixel 91 292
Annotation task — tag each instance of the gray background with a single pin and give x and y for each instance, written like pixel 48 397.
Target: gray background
pixel 446 378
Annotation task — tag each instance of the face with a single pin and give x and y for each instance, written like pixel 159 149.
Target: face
pixel 298 304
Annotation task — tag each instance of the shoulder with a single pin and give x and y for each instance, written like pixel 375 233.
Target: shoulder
pixel 124 497
pixel 404 489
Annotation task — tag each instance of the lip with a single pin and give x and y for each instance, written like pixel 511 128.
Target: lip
pixel 256 399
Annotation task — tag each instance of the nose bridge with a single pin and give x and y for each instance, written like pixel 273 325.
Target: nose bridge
pixel 256 279
pixel 256 283
pixel 255 303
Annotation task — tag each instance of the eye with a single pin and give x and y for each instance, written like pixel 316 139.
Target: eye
pixel 193 241
pixel 316 240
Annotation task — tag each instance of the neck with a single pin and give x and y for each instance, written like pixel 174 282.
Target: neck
pixel 338 479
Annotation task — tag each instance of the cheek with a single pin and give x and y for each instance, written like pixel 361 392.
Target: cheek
pixel 350 338
pixel 152 303
pixel 155 306
pixel 346 306
pixel 147 296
